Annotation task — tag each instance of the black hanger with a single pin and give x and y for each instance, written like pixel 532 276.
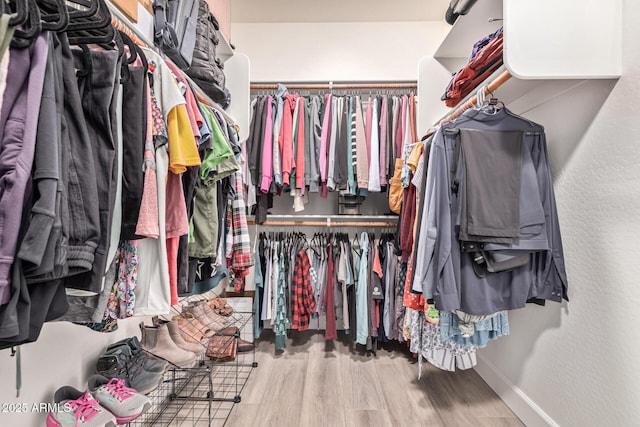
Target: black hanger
pixel 92 29
pixel 54 14
pixel 123 38
pixel 20 13
pixel 355 245
pixel 133 51
pixel 87 8
pixel 22 38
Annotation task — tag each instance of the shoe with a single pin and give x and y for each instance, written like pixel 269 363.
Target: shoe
pixel 77 408
pixel 206 316
pixel 157 341
pixel 231 330
pixel 174 333
pixel 125 403
pixel 243 345
pixel 220 306
pixel 120 364
pixel 191 329
pixel 149 362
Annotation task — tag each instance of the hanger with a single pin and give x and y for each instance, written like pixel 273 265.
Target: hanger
pixel 87 8
pixel 92 29
pixel 54 15
pixel 20 15
pixel 355 244
pixel 31 27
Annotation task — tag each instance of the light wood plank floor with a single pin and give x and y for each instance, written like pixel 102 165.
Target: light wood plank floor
pixel 331 384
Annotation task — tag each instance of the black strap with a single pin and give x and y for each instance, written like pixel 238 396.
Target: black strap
pixel 456 159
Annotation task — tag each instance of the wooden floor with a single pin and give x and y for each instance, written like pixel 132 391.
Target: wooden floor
pixel 331 384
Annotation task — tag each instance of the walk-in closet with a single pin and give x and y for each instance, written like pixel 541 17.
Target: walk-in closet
pixel 339 213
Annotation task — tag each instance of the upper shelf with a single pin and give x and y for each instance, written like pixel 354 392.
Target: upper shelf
pixel 545 39
pixel 223 50
pixel 470 28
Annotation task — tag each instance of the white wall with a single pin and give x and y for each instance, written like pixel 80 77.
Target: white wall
pixel 65 354
pixel 340 51
pixel 577 365
pixel 336 51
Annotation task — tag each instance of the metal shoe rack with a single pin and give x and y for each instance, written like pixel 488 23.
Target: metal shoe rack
pixel 206 394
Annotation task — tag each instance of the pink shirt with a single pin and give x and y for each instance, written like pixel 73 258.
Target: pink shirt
pixel 148 217
pixel 176 222
pixel 368 125
pixel 286 137
pixel 402 118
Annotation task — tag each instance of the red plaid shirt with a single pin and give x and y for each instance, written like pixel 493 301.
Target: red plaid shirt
pixel 302 302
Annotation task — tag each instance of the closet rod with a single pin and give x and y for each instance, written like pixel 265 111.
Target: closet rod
pixel 122 23
pixel 324 224
pixel 390 85
pixel 499 81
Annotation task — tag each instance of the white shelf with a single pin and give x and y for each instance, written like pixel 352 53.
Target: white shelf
pixel 550 46
pixel 223 50
pixel 470 28
pixel 545 39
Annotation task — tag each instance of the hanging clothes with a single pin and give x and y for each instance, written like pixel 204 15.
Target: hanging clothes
pixel 477 291
pixel 300 145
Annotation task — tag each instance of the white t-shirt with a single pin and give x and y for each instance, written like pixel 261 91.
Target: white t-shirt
pixel 153 295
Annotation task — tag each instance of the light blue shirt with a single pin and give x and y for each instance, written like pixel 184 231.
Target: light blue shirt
pixel 362 300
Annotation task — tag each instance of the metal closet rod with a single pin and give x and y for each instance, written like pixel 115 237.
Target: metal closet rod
pixel 324 224
pixel 329 220
pixel 499 81
pixel 122 23
pixel 342 85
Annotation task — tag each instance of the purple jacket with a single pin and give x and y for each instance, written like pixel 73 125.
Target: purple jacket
pixel 18 125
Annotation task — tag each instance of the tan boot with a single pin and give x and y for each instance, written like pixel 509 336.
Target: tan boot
pixel 157 341
pixel 191 329
pixel 176 336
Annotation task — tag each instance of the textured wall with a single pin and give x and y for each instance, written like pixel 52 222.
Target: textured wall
pixel 336 51
pixel 579 363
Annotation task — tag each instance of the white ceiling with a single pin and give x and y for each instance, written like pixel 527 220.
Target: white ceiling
pixel 337 10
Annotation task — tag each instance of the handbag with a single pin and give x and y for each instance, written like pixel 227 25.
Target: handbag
pixel 175 29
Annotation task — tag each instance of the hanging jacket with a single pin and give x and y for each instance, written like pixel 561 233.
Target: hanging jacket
pixel 448 274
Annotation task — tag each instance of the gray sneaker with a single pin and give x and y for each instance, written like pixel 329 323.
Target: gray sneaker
pixel 119 363
pixel 148 361
pixel 75 408
pixel 123 402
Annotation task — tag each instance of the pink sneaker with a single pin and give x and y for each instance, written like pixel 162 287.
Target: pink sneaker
pixel 78 409
pixel 125 403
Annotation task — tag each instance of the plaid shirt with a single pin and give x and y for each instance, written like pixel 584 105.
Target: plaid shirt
pixel 302 302
pixel 238 245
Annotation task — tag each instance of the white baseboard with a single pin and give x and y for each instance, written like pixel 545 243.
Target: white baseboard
pixel 516 399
